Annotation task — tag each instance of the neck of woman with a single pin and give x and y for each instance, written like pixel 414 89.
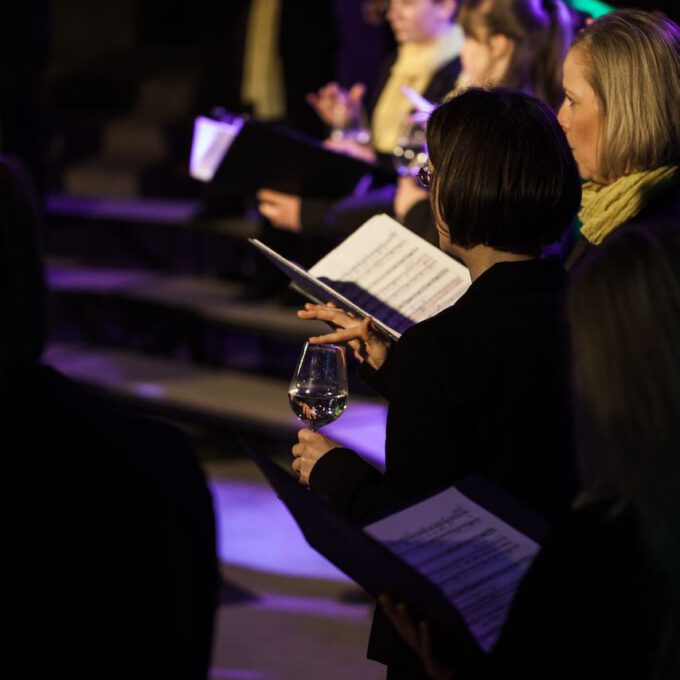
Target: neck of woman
pixel 480 258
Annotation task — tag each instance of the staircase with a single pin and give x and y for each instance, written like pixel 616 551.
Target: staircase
pixel 153 295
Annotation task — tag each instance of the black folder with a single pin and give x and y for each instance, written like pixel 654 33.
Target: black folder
pixel 377 569
pixel 272 156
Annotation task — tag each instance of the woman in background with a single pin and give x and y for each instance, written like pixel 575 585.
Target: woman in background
pixel 517 44
pixel 427 60
pixel 602 599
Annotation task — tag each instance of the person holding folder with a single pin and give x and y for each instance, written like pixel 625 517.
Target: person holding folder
pixel 427 61
pixel 482 386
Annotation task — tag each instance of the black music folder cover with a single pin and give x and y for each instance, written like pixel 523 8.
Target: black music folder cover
pixel 456 558
pixel 248 155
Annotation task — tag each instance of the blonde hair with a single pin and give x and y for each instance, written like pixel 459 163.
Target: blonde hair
pixel 632 61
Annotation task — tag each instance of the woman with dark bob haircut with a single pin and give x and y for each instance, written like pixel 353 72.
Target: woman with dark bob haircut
pixel 482 386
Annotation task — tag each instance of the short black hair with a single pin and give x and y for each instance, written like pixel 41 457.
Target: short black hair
pixel 503 173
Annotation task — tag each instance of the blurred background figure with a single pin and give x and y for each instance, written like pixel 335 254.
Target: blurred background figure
pixel 518 44
pixel 25 41
pixel 110 552
pixel 602 598
pixel 427 60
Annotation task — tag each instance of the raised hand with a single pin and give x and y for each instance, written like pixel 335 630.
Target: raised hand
pixel 336 106
pixel 366 343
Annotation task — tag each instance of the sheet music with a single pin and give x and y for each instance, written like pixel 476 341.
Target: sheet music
pixel 211 141
pixel 397 267
pixel 475 558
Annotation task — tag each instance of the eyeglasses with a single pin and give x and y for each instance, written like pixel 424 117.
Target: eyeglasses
pixel 425 175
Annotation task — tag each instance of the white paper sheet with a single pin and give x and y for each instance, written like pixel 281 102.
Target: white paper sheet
pixel 211 141
pixel 397 267
pixel 473 556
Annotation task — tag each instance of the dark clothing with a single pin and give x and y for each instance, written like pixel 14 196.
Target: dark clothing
pixel 590 606
pixel 481 387
pixel 307 55
pixel 338 219
pixel 111 550
pixel 664 209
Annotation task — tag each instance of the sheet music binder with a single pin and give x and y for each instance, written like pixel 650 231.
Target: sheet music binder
pixel 272 156
pixel 371 564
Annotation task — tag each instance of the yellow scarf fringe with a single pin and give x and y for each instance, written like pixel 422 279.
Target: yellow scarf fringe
pixel 605 207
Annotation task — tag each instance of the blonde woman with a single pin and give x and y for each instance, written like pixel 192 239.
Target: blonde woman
pixel 621 115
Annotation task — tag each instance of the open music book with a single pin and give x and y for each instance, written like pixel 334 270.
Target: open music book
pixel 456 558
pixel 382 270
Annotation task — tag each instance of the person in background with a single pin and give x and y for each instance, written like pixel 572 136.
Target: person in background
pixel 602 599
pixel 518 44
pixel 620 115
pixel 109 554
pixel 429 44
pixel 481 386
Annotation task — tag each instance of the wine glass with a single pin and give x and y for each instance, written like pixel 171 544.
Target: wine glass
pixel 410 152
pixel 350 123
pixel 318 389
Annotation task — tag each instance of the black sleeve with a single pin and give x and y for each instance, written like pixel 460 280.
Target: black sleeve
pixel 349 484
pixel 339 219
pixel 415 424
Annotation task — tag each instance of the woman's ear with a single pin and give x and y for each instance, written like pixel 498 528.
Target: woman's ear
pixel 501 47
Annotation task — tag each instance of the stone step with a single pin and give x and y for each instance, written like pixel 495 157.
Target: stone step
pixel 134 139
pixel 112 178
pixel 168 96
pixel 227 398
pixel 223 304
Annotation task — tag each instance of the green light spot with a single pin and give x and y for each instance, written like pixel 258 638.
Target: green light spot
pixel 593 7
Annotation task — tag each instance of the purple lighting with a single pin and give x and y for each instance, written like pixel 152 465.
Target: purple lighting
pixel 255 530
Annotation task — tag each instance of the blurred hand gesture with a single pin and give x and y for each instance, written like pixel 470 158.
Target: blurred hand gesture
pixel 336 106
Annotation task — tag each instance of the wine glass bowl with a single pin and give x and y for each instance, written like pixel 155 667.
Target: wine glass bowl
pixel 318 388
pixel 410 152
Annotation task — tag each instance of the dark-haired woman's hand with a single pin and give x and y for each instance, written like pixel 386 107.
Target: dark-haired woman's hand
pixel 367 344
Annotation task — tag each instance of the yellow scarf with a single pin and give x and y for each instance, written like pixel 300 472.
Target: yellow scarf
pixel 605 207
pixel 262 85
pixel 415 65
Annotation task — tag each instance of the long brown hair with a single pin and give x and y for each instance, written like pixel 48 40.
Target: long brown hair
pixel 624 311
pixel 541 31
